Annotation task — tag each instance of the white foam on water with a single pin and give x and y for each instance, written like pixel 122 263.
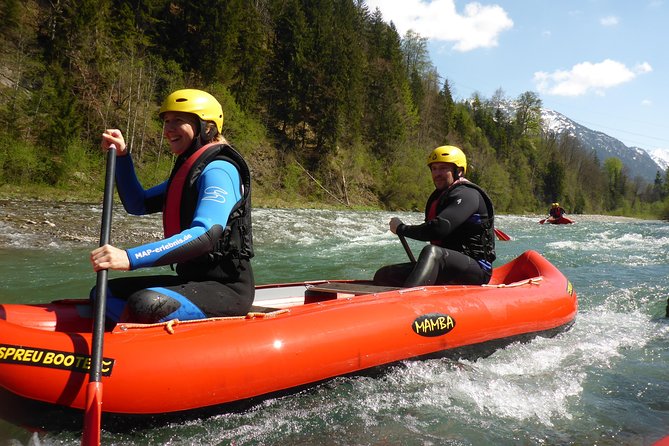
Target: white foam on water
pixel 633 249
pixel 332 231
pixel 9 236
pixel 539 381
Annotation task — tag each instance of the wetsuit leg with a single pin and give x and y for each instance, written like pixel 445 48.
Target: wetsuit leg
pixel 151 299
pixel 232 295
pixel 159 304
pixel 121 289
pixel 427 267
pixel 393 275
pixel 438 265
pixel 113 308
pixel 219 299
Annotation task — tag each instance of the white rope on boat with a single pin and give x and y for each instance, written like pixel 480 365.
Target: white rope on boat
pixel 531 281
pixel 172 323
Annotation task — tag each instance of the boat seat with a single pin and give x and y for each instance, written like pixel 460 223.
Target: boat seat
pixel 333 290
pixel 259 309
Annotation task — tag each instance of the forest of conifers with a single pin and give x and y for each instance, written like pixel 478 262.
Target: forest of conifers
pixel 329 105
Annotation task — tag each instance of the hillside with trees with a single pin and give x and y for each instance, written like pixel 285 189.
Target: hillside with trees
pixel 329 104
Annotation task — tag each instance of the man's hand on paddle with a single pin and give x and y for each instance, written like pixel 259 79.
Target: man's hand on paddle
pixel 110 257
pixel 394 223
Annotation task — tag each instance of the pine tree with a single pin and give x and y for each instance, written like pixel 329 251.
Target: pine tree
pixel 554 177
pixel 446 111
pixel 251 54
pixel 286 90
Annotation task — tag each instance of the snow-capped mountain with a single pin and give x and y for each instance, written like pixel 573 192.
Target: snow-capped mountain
pixel 638 162
pixel 661 157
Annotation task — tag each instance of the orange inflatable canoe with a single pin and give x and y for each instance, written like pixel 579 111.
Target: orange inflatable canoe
pixel 298 334
pixel 557 221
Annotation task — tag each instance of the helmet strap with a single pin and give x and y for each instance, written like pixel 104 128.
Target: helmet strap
pixel 207 136
pixel 202 132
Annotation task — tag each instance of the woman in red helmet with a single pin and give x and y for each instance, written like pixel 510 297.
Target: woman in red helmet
pixel 206 209
pixel 459 224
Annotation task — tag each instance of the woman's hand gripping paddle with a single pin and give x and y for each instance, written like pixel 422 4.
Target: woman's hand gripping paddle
pixel 93 414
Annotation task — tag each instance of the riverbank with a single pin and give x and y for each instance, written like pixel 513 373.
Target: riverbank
pixel 49 216
pixel 94 196
pixel 29 221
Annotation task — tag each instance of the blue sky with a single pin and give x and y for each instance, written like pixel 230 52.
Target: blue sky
pixel 602 63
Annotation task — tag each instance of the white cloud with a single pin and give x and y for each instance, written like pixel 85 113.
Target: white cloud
pixel 609 21
pixel 587 76
pixel 646 102
pixel 478 26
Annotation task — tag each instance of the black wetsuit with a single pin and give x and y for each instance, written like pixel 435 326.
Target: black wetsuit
pixel 459 223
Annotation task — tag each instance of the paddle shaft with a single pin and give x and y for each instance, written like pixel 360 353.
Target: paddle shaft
pixel 93 413
pixel 101 286
pixel 407 248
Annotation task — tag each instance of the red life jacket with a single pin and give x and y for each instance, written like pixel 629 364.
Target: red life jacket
pixel 432 213
pixel 181 199
pixel 174 193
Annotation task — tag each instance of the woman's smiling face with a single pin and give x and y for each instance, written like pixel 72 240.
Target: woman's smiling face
pixel 179 129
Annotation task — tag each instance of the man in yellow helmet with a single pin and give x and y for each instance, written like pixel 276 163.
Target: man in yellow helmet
pixel 206 206
pixel 459 224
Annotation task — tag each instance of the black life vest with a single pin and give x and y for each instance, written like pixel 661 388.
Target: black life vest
pixel 476 236
pixel 182 194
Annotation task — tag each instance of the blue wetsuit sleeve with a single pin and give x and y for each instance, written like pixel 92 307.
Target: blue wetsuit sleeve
pixel 219 190
pixel 135 199
pixel 463 203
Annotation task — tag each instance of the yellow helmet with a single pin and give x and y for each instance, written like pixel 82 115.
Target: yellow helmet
pixel 198 102
pixel 448 154
pixel 555 205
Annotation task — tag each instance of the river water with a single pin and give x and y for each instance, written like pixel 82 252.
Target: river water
pixel 604 382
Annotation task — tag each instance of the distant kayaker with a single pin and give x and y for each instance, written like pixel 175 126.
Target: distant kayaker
pixel 459 224
pixel 555 212
pixel 206 205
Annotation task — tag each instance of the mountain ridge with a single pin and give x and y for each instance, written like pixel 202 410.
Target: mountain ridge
pixel 661 157
pixel 637 161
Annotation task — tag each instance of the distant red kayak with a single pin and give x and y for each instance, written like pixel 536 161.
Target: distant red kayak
pixel 556 221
